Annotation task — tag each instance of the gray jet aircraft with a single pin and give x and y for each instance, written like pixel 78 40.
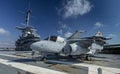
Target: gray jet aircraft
pixel 74 46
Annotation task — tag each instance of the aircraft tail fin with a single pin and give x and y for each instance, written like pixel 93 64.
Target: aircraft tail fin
pixel 99 34
pixel 76 35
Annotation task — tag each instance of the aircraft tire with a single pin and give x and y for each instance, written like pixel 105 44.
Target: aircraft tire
pixel 88 58
pixel 44 59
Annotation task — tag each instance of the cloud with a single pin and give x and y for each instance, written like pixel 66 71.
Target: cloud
pixel 64 26
pixel 67 34
pixel 60 31
pixel 64 30
pixel 75 8
pixel 4 32
pixel 98 25
pixel 6 45
pixel 117 24
pixel 112 35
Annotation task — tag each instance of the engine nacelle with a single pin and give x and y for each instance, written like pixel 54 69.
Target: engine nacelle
pixel 74 49
pixel 67 50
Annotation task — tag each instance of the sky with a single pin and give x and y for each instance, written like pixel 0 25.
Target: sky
pixel 60 17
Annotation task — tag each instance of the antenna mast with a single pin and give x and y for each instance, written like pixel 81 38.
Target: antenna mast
pixel 28 15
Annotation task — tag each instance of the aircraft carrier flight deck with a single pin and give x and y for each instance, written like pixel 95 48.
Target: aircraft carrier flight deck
pixel 13 62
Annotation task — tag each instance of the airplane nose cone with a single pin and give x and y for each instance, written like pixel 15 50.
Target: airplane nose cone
pixel 34 46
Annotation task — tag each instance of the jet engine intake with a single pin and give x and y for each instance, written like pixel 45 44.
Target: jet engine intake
pixel 72 49
pixel 67 50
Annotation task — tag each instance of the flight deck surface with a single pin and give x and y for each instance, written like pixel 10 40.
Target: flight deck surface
pixel 12 62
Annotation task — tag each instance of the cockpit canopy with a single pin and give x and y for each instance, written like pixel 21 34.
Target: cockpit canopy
pixel 55 39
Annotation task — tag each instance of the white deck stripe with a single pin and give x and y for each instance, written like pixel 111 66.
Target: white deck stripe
pixel 29 68
pixel 92 68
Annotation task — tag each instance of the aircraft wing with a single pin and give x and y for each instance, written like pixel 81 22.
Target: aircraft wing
pixel 97 38
pixel 75 35
pixel 85 43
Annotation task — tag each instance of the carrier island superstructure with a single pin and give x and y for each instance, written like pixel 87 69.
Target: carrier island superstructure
pixel 28 35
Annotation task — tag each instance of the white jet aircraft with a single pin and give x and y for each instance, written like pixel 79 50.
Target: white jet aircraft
pixel 74 46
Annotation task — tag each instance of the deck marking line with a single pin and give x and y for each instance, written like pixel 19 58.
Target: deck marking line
pixel 92 69
pixel 14 56
pixel 30 68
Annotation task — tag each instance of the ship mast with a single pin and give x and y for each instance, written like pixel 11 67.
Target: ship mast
pixel 28 15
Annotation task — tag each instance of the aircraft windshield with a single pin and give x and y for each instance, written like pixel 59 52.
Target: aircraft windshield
pixel 51 38
pixel 46 38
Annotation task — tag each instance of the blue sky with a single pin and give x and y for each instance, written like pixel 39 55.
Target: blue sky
pixel 60 17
